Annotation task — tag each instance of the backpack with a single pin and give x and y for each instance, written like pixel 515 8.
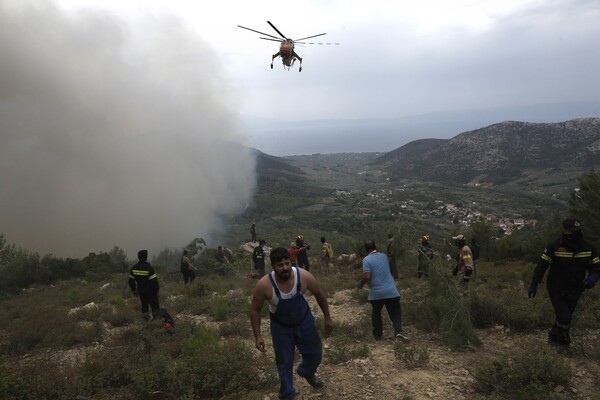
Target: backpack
pixel 329 250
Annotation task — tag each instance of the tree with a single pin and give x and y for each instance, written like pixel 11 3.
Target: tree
pixel 584 204
pixel 485 234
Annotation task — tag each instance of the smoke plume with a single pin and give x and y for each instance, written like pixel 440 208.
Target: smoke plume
pixel 112 133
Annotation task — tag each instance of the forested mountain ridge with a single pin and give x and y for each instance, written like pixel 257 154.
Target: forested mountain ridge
pixel 498 153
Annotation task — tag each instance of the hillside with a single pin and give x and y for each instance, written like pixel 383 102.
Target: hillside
pixel 499 153
pixel 86 340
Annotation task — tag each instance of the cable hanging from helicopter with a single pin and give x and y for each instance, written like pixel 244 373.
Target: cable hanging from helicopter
pixel 286 48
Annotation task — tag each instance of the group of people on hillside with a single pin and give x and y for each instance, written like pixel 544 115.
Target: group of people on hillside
pixel 573 264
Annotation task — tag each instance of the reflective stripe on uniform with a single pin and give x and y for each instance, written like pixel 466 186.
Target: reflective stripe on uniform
pixel 152 277
pixel 570 254
pixel 140 272
pixel 545 257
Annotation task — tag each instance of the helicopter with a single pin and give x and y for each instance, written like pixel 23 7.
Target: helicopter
pixel 286 49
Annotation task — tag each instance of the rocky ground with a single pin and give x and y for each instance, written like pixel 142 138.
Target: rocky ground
pixel 447 375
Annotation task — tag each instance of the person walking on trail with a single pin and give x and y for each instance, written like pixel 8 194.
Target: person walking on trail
pixel 253 232
pixel 464 261
pixel 144 283
pixel 475 250
pixel 303 254
pixel 383 291
pixel 326 253
pixel 574 266
pixel 258 257
pixel 292 322
pixel 425 254
pixel 187 269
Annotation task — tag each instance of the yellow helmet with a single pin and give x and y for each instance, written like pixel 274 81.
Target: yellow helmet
pixel 425 238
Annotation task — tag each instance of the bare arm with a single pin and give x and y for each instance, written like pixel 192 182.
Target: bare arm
pixel 366 277
pixel 313 286
pixel 258 300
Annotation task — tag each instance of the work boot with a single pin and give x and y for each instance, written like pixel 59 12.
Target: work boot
pixel 313 381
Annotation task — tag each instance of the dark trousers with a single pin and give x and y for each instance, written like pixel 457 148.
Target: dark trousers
pixel 303 262
pixel 150 298
pixel 394 311
pixel 188 275
pixel 308 341
pixel 564 304
pixel 260 268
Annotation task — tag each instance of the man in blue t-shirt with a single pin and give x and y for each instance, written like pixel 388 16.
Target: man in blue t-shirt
pixel 376 271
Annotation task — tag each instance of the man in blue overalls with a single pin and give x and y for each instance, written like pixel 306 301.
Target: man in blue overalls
pixel 292 322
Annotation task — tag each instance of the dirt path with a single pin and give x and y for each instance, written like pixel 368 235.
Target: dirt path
pixel 446 376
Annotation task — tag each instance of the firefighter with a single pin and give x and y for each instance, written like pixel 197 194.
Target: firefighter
pixel 302 257
pixel 258 257
pixel 570 258
pixel 143 283
pixel 464 262
pixel 425 254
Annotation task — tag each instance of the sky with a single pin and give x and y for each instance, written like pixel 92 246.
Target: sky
pixel 118 116
pixel 396 58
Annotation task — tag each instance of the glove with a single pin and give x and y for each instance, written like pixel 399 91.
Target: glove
pixel 455 270
pixel 590 281
pixel 532 290
pixel 468 272
pixel 360 284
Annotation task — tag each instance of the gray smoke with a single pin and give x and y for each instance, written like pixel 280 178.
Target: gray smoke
pixel 113 134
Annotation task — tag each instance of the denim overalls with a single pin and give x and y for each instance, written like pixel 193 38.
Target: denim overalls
pixel 293 325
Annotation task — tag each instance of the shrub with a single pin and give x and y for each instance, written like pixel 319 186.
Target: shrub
pixel 107 369
pixel 510 308
pixel 411 356
pixel 343 349
pixel 354 331
pixel 226 367
pixel 220 308
pixel 203 336
pixel 235 327
pixel 529 374
pixel 14 385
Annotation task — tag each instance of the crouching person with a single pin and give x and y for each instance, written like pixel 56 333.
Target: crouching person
pixel 292 322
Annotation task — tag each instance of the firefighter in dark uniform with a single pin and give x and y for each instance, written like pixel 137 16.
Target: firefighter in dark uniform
pixel 258 257
pixel 143 283
pixel 574 266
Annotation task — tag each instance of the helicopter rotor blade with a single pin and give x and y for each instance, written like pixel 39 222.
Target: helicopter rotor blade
pixel 274 40
pixel 262 33
pixel 277 30
pixel 310 37
pixel 319 43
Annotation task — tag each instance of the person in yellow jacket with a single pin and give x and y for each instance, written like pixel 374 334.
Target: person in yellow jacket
pixel 326 253
pixel 464 262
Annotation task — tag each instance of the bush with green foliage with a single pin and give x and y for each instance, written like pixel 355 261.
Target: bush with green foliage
pixel 411 356
pixel 584 204
pixel 530 373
